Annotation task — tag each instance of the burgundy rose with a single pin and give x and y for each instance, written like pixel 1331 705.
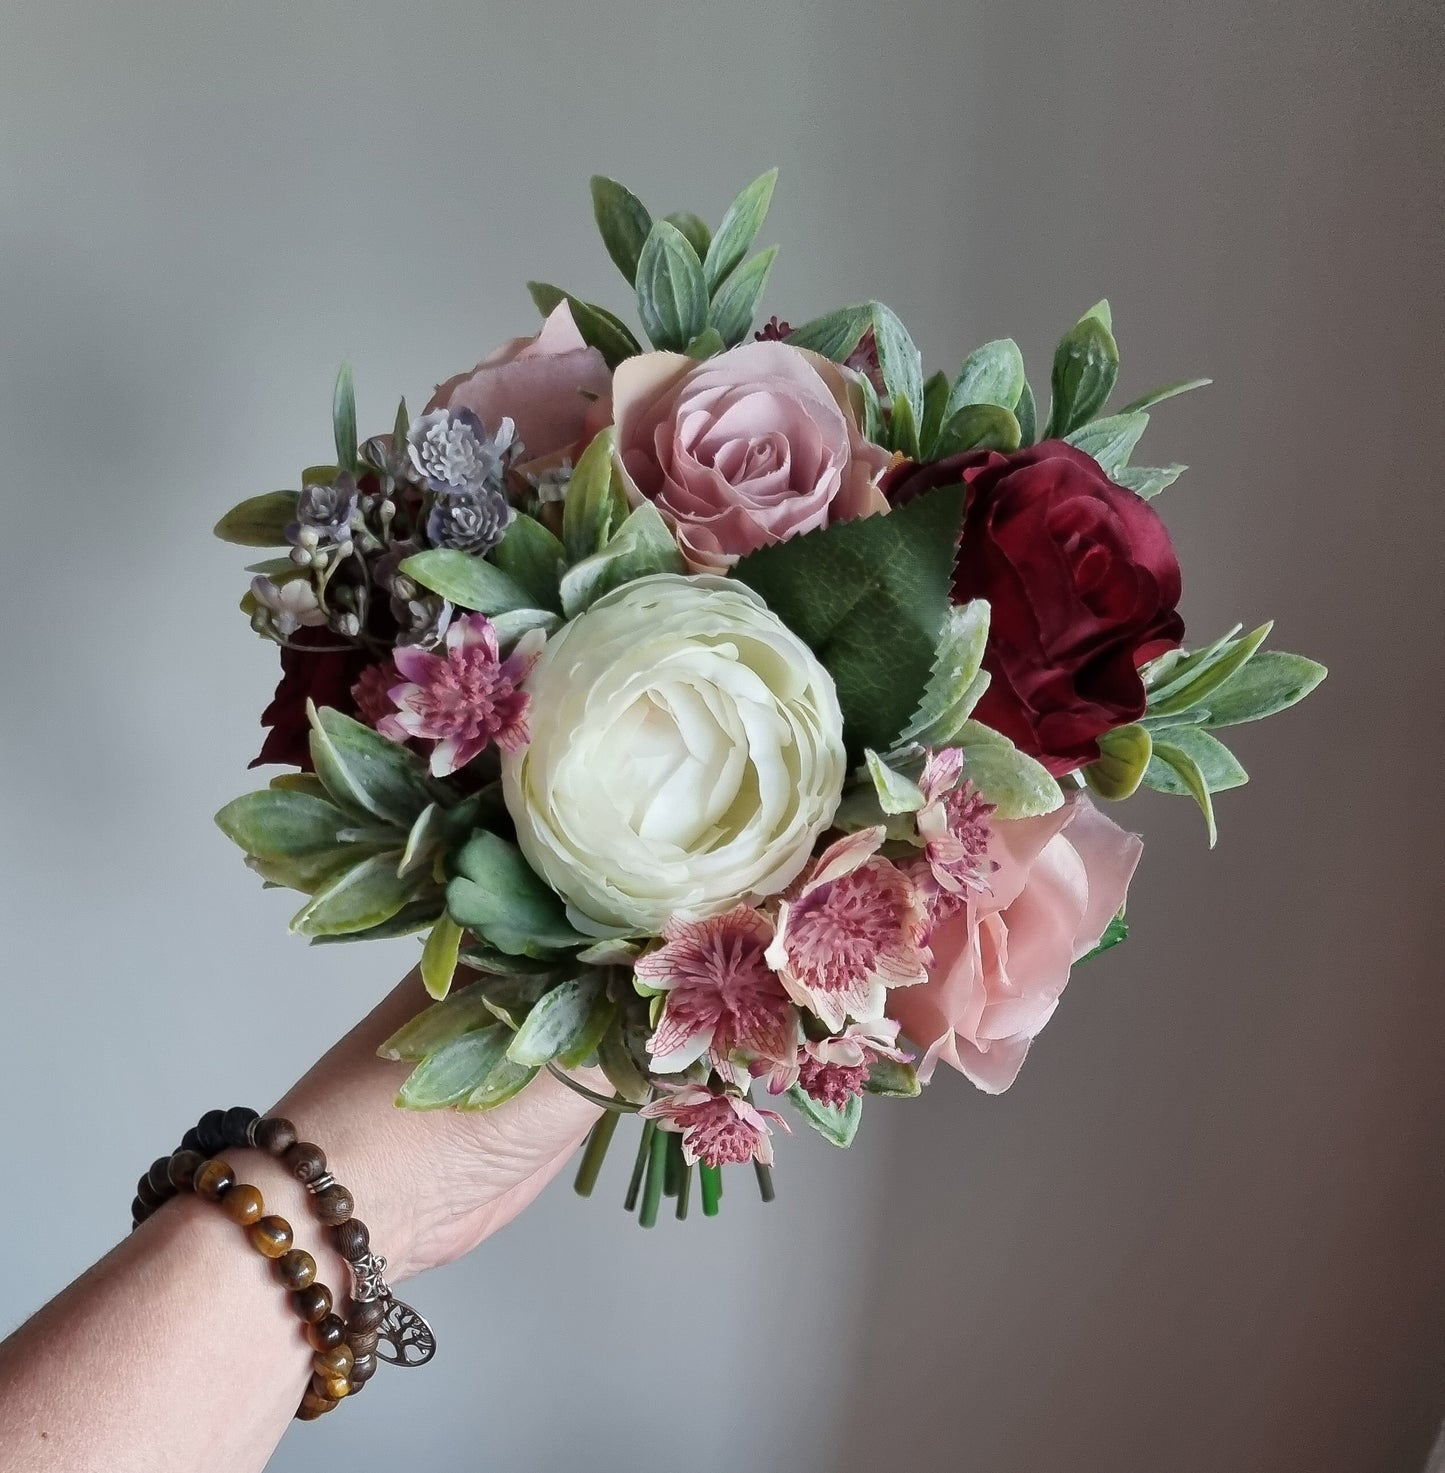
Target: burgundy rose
pixel 1083 583
pixel 324 676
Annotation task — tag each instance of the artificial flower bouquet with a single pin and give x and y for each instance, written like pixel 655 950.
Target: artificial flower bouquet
pixel 730 716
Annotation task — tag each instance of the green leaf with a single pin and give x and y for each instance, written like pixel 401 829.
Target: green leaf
pixel 260 521
pixel 903 428
pixel 364 770
pixel 1119 769
pixel 435 1027
pixel 954 687
pixel 1013 782
pixel 309 872
pixel 1116 931
pixel 511 998
pixel 586 1043
pixel 1173 756
pixel 1217 765
pixel 1272 681
pixel 672 297
pixel 992 374
pixel 1086 365
pixel 839 587
pixel 1110 441
pixel 899 359
pixel 439 956
pixel 623 221
pixel 600 328
pixel 357 899
pixel 497 894
pixel 401 426
pixel 320 475
pixel 707 344
pixel 1026 412
pixel 896 793
pixel 872 412
pixel 1181 695
pixel 1149 480
pixel 736 300
pixel 1148 401
pixel 426 835
pixel 642 546
pixel 596 504
pixel 557 1021
pixel 739 229
pixel 483 958
pixel 838 1127
pixel 696 229
pixel 511 627
pixel 533 559
pixel 414 916
pixel 935 398
pixel 979 427
pixel 1174 669
pixel 466 580
pixel 504 1081
pixel 277 823
pixel 892 1080
pixel 456 1069
pixel 343 419
pixel 836 334
pixel 622 1070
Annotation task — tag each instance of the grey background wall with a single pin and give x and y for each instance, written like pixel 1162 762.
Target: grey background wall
pixel 1205 1230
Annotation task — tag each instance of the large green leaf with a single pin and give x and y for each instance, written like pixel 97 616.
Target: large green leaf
pixel 1174 757
pixel 343 420
pixel 935 401
pixel 624 223
pixel 836 334
pixel 893 1080
pixel 1181 694
pixel 695 228
pixel 1272 681
pixel 869 597
pixel 468 581
pixel 838 1127
pixel 497 894
pixel 1086 365
pixel 533 559
pixel 448 1076
pixel 736 301
pixel 623 1072
pixel 1148 481
pixel 359 898
pixel 1026 412
pixel 1217 765
pixel 414 916
pixel 992 374
pixel 1148 401
pixel 260 521
pixel 672 297
pixel 364 770
pixel 1119 769
pixel 600 328
pixel 953 686
pixel 899 360
pixel 641 546
pixel 557 1022
pixel 435 1027
pixel 279 823
pixel 439 956
pixel 978 427
pixel 1017 785
pixel 739 229
pixel 596 504
pixel 504 1081
pixel 1110 441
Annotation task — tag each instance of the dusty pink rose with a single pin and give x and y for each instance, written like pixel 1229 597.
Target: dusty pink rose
pixel 1001 962
pixel 748 448
pixel 548 386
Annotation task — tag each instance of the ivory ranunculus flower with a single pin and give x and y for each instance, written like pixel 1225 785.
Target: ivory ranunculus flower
pixel 686 753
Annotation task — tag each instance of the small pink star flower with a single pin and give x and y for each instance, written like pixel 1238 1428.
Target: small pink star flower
pixel 852 931
pixel 372 694
pixel 833 1070
pixel 954 825
pixel 468 696
pixel 717 1129
pixel 722 996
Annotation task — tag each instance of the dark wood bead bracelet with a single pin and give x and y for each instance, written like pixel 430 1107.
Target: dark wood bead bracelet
pixel 346 1349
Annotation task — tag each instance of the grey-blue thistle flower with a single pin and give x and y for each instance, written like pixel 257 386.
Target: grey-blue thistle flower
pixel 455 452
pixel 326 511
pixel 469 521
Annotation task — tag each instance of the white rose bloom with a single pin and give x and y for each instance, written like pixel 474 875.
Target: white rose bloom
pixel 686 753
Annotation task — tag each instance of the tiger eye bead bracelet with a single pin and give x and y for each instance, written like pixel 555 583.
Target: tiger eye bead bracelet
pixel 345 1348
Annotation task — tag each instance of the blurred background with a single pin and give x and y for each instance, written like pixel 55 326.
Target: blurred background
pixel 1206 1230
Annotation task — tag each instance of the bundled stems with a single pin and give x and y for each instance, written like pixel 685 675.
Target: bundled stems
pixel 598 1140
pixel 654 1178
pixel 710 1180
pixel 639 1166
pixel 765 1181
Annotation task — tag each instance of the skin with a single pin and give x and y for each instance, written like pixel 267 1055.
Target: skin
pixel 178 1351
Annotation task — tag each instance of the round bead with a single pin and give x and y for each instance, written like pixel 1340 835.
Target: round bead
pixel 191 1141
pixel 296 1269
pixel 313 1406
pixel 363 1342
pixel 243 1204
pixel 352 1239
pixel 275 1134
pixel 214 1178
pixel 138 1212
pixel 337 1361
pixel 327 1333
pixel 334 1387
pixel 363 1368
pixel 313 1303
pixel 182 1169
pixel 236 1125
pixel 334 1205
pixel 160 1179
pixel 146 1193
pixel 209 1130
pixel 366 1314
pixel 305 1162
pixel 271 1236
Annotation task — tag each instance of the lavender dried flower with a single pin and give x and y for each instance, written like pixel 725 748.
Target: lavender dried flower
pixel 455 452
pixel 469 521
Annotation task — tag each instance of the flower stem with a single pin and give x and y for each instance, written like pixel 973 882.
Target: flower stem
pixel 684 1191
pixel 672 1167
pixel 710 1180
pixel 649 1129
pixel 765 1181
pixel 652 1186
pixel 598 1140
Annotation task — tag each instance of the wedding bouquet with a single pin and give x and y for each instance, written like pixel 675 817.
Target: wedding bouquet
pixel 730 715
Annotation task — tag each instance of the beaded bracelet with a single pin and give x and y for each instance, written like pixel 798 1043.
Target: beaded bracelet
pixel 346 1350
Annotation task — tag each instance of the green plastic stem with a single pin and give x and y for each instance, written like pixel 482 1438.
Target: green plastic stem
pixel 598 1140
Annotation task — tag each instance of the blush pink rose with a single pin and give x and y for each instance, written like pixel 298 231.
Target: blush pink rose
pixel 548 386
pixel 1002 961
pixel 745 449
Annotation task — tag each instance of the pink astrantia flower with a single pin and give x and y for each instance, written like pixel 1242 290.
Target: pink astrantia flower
pixel 468 696
pixel 854 929
pixel 954 825
pixel 717 1129
pixel 372 694
pixel 721 994
pixel 832 1070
